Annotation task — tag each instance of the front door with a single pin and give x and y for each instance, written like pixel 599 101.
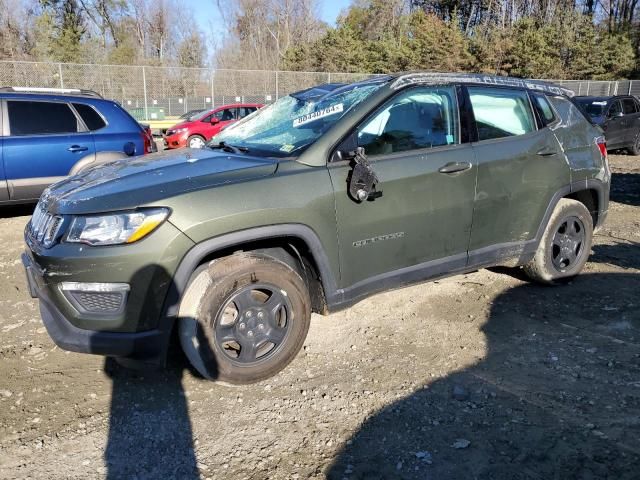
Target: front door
pixel 520 168
pixel 45 140
pixel 421 222
pixel 615 125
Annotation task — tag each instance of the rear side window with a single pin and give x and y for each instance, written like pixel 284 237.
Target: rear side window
pixel 90 117
pixel 615 109
pixel 41 118
pixel 416 119
pixel 544 109
pixel 244 111
pixel 501 112
pixel 628 106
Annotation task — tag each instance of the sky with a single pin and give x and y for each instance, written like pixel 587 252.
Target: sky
pixel 210 23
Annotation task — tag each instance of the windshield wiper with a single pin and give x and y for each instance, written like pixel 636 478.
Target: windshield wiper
pixel 229 148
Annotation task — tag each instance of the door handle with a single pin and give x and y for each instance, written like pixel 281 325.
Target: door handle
pixel 77 148
pixel 546 152
pixel 455 167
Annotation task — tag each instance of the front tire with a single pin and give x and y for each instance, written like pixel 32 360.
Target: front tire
pixel 565 244
pixel 244 318
pixel 196 141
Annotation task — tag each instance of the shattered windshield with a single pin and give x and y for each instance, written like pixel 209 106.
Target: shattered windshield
pixel 288 126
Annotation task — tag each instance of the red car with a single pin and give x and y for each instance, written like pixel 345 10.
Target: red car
pixel 197 130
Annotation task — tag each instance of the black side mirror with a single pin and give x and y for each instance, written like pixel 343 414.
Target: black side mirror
pixel 616 115
pixel 362 179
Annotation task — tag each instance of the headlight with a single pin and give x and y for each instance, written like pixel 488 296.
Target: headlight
pixel 180 130
pixel 117 228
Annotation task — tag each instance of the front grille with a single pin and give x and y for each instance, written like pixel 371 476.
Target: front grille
pixel 44 226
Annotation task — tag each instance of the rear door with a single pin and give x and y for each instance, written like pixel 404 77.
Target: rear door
pixel 45 140
pixel 631 120
pixel 520 168
pixel 422 220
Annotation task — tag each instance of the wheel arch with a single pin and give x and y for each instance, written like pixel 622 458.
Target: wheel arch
pixel 299 241
pixel 590 199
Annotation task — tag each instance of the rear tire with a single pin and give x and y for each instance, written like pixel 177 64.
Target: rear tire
pixel 565 244
pixel 196 141
pixel 244 318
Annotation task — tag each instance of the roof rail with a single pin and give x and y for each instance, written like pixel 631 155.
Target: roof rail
pixel 59 91
pixel 434 78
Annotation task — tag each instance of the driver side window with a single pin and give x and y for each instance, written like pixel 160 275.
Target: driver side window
pixel 225 115
pixel 416 119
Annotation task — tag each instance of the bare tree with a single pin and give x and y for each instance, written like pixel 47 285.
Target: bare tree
pixel 264 30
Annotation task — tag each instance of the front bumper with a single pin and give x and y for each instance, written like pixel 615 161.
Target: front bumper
pixel 178 140
pixel 139 330
pixel 145 345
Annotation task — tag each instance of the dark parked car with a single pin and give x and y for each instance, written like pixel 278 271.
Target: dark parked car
pixel 309 205
pixel 618 116
pixel 49 134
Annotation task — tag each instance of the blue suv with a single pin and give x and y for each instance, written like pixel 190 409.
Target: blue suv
pixel 49 134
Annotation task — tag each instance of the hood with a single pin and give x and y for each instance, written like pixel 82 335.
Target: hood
pixel 185 123
pixel 148 179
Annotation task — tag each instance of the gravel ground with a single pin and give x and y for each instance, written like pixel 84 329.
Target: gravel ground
pixel 476 376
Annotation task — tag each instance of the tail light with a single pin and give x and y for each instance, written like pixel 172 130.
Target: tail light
pixel 602 146
pixel 147 140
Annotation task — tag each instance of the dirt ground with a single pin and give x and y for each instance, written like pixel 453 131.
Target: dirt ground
pixel 476 376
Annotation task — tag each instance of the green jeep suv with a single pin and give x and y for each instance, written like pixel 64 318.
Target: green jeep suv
pixel 324 197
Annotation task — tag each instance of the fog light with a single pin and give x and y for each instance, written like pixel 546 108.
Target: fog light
pixel 96 298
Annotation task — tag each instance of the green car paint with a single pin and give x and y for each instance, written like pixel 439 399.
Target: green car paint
pixel 423 222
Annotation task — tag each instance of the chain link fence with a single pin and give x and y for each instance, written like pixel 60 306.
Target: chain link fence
pixel 152 93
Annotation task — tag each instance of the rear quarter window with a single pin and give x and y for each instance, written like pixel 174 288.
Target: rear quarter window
pixel 90 117
pixel 544 108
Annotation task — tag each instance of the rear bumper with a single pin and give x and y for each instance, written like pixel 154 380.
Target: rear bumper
pixel 147 346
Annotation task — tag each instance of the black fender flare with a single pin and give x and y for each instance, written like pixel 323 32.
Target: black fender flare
pixel 201 250
pixel 602 190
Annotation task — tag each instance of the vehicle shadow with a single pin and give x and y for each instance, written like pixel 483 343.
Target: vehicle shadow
pixel 625 188
pixel 626 255
pixel 555 396
pixel 23 210
pixel 150 432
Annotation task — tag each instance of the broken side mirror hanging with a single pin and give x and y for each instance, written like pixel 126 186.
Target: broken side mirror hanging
pixel 362 180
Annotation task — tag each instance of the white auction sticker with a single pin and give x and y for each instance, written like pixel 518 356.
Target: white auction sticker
pixel 325 112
